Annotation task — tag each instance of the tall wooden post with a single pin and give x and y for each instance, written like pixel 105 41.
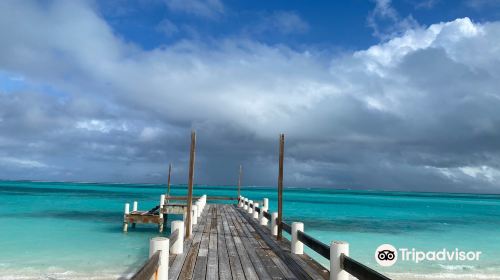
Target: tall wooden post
pixel 190 184
pixel 280 187
pixel 239 182
pixel 168 181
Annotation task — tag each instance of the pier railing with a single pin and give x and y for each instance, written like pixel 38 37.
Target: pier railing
pixel 149 269
pixel 160 248
pixel 341 265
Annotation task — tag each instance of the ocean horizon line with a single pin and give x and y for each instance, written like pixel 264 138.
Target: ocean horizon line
pixel 256 187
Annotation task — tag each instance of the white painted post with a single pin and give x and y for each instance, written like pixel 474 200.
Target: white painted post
pixel 297 246
pixel 195 215
pixel 255 213
pixel 240 198
pixel 160 244
pixel 125 213
pixel 199 207
pixel 337 248
pixel 204 201
pixel 265 202
pixel 262 219
pixel 250 208
pixel 274 226
pixel 245 206
pixel 162 202
pixel 177 244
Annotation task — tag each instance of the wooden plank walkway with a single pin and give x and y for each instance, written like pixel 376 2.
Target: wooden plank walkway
pixel 228 244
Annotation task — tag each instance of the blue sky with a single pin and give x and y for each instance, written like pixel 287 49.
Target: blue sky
pixel 396 95
pixel 333 25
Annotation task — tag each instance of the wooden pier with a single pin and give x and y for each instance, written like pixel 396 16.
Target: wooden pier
pixel 236 241
pixel 226 244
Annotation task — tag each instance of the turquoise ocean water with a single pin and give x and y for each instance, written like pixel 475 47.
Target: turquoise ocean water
pixel 73 230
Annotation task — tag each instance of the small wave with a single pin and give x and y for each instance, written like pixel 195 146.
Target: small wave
pixel 456 267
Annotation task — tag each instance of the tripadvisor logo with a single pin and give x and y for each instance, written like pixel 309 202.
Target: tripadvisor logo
pixel 387 255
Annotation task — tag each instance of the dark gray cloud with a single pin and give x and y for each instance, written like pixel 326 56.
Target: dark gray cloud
pixel 417 112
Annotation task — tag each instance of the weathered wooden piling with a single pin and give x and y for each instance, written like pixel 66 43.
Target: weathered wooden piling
pixel 190 184
pixel 280 186
pixel 239 180
pixel 168 179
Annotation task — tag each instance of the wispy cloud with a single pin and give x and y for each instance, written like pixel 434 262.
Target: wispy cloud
pixel 204 8
pixel 284 22
pixel 386 22
pixel 22 163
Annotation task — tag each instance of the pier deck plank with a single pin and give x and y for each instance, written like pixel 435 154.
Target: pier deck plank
pixel 228 244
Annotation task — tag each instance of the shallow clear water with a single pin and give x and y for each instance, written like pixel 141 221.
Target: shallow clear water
pixel 73 230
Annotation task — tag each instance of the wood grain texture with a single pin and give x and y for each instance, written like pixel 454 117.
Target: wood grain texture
pixel 228 244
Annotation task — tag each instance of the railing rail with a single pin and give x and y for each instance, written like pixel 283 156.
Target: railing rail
pixel 286 227
pixel 211 198
pixel 174 235
pixel 359 270
pixel 316 245
pixel 149 268
pixel 353 267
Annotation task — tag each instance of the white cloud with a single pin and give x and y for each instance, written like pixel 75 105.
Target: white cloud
pixel 386 21
pixel 167 27
pixel 150 133
pixel 22 163
pixel 100 126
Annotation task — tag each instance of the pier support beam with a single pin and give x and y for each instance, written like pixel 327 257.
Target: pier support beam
pixel 178 240
pixel 190 184
pixel 280 187
pixel 274 225
pixel 239 180
pixel 125 213
pixel 160 244
pixel 297 246
pixel 337 248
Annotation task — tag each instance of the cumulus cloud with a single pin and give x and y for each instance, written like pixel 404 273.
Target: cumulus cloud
pixel 418 111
